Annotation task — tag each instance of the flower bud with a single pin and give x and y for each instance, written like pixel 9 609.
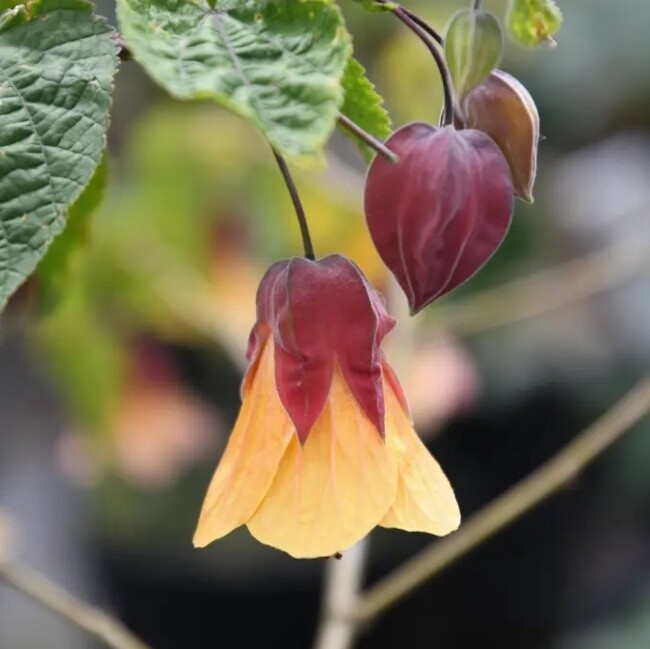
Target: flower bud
pixel 473 48
pixel 438 215
pixel 503 108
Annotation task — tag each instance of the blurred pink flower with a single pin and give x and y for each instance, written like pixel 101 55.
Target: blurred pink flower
pixel 159 429
pixel 441 382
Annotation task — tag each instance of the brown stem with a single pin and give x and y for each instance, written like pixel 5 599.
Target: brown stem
pixel 415 26
pixel 425 25
pixel 300 212
pixel 367 138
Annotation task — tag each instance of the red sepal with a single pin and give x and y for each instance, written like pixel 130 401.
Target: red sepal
pixel 440 213
pixel 319 313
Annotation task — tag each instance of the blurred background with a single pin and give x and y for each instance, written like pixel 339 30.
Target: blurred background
pixel 120 369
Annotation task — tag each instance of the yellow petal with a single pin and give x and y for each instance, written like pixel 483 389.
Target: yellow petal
pixel 333 491
pixel 425 501
pixel 249 464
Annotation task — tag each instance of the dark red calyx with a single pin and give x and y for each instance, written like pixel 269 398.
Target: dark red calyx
pixel 320 313
pixel 440 213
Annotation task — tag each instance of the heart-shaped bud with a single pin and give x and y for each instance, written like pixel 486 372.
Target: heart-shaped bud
pixel 473 48
pixel 503 108
pixel 438 215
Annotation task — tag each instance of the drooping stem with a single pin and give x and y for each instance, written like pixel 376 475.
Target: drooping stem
pixel 477 5
pixel 425 25
pixel 300 212
pixel 426 37
pixel 527 494
pixel 367 138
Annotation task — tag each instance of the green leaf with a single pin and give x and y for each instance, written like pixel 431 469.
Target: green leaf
pixel 532 22
pixel 473 48
pixel 278 64
pixel 54 269
pixel 57 61
pixel 364 106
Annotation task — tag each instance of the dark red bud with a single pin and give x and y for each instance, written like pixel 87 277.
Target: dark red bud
pixel 440 213
pixel 320 313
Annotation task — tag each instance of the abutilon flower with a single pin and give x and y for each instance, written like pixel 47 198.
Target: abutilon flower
pixel 323 449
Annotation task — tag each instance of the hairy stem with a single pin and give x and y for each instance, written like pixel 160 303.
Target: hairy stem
pixel 549 478
pixel 94 621
pixel 367 138
pixel 300 212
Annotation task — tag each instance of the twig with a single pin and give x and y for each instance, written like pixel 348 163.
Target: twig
pixel 556 473
pixel 423 34
pixel 92 620
pixel 297 205
pixel 545 291
pixel 425 25
pixel 343 580
pixel 367 138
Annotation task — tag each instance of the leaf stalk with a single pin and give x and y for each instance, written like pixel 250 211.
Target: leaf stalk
pixel 367 138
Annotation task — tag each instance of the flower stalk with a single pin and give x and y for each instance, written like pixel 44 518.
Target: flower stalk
pixel 425 25
pixel 426 36
pixel 307 244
